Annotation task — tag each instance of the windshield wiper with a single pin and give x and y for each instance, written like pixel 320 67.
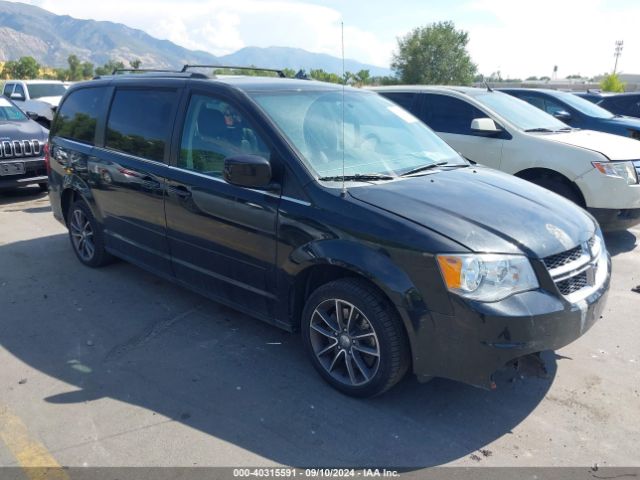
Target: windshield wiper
pixel 358 177
pixel 423 167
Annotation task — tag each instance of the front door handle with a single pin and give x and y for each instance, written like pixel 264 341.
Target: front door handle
pixel 180 191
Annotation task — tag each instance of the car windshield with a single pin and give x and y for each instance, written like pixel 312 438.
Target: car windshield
pixel 9 112
pixel 518 112
pixel 582 105
pixel 37 90
pixel 379 137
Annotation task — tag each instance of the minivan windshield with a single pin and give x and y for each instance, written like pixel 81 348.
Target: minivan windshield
pixel 38 90
pixel 582 105
pixel 376 136
pixel 519 113
pixel 9 112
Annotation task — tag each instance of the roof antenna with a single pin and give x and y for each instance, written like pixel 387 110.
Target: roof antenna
pixel 489 89
pixel 344 80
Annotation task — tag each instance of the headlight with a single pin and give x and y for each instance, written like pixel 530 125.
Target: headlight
pixel 624 170
pixel 487 277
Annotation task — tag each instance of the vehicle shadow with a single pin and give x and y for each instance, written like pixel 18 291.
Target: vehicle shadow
pixel 14 195
pixel 620 241
pixel 122 333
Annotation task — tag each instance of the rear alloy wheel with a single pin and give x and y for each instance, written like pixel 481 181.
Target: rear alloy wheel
pixel 86 236
pixel 355 338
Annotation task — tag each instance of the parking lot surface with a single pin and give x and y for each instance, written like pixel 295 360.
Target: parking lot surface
pixel 116 367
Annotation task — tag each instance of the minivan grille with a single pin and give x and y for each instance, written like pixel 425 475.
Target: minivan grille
pixel 572 284
pixel 20 148
pixel 560 259
pixel 574 269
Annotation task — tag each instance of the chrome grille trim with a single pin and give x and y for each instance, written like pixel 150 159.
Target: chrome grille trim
pixel 7 149
pixel 574 271
pixel 20 148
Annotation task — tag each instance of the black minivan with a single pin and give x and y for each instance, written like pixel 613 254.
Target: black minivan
pixel 326 210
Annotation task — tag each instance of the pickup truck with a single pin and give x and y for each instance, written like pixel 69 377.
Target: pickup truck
pixel 38 96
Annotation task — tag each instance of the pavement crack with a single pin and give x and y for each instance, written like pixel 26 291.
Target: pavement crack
pixel 146 335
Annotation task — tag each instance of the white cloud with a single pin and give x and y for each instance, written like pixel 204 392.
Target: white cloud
pixel 221 26
pixel 576 35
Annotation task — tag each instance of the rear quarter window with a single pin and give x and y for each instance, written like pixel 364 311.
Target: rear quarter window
pixel 140 122
pixel 78 115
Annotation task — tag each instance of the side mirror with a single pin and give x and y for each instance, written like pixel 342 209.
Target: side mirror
pixel 485 126
pixel 249 171
pixel 562 115
pixel 17 96
pixel 33 115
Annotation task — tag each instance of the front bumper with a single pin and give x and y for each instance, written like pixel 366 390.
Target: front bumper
pixel 611 219
pixel 480 338
pixel 35 172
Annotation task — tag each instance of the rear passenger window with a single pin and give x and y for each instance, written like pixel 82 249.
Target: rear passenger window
pixel 78 115
pixel 448 114
pixel 8 89
pixel 404 99
pixel 140 122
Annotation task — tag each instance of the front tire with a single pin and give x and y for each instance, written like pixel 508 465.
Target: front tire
pixel 559 187
pixel 355 338
pixel 86 236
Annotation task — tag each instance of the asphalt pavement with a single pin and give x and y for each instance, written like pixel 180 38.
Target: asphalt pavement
pixel 116 367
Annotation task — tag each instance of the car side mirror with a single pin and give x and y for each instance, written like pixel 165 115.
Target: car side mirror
pixel 562 115
pixel 485 126
pixel 17 96
pixel 249 171
pixel 33 115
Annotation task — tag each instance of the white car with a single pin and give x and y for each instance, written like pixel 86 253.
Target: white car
pixel 596 170
pixel 38 96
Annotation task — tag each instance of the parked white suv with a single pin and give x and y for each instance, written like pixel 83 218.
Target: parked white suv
pixel 38 96
pixel 596 170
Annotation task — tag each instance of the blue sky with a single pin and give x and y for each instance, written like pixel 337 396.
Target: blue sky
pixel 517 38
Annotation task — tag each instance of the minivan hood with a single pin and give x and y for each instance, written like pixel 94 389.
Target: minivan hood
pixel 25 130
pixel 485 211
pixel 614 147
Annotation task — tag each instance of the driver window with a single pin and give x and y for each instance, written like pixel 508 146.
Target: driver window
pixel 214 130
pixel 552 107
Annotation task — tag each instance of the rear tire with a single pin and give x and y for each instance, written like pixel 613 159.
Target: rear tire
pixel 355 338
pixel 86 236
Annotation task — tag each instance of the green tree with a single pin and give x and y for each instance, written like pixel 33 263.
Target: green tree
pixel 75 68
pixel 135 64
pixel 434 54
pixel 529 79
pixel 86 69
pixel 321 75
pixel 612 83
pixel 24 68
pixel 363 77
pixel 109 67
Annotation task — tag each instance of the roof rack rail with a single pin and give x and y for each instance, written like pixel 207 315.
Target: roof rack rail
pixel 116 71
pixel 275 70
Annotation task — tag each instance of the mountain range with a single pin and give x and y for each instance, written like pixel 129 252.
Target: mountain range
pixel 50 39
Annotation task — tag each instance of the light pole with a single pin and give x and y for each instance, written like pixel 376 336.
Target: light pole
pixel 618 52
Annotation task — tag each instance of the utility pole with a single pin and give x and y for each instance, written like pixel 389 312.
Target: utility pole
pixel 617 53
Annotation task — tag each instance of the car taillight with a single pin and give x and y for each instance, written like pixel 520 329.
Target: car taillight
pixel 46 158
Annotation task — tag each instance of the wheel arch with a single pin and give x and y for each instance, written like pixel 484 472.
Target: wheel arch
pixel 334 259
pixel 531 174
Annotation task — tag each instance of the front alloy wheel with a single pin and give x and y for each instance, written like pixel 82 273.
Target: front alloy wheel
pixel 355 337
pixel 344 342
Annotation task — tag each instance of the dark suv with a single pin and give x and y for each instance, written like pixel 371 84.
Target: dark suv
pixel 22 143
pixel 330 211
